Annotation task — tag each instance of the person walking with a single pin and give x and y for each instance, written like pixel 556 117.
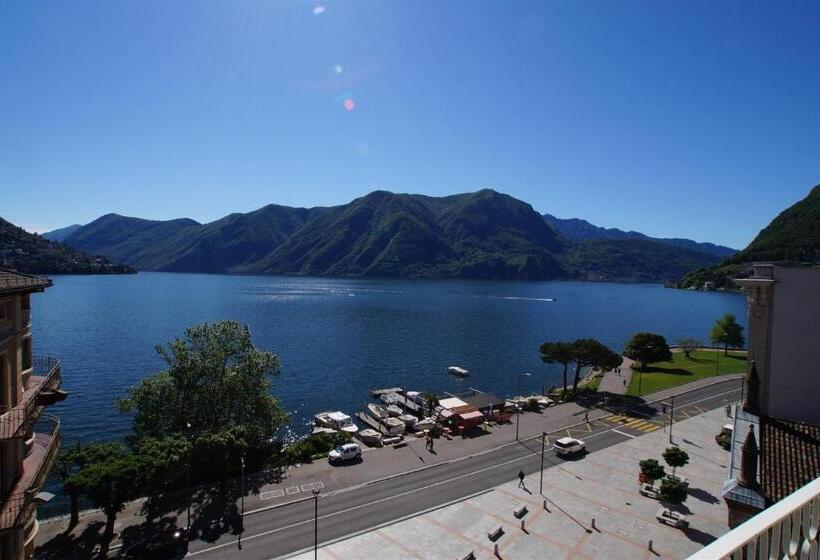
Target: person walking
pixel 521 479
pixel 586 417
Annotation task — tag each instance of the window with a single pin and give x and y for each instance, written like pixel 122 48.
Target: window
pixel 26 353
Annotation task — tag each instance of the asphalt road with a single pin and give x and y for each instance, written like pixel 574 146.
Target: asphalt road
pixel 284 530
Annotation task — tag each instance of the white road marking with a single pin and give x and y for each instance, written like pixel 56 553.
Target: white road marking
pixel 617 431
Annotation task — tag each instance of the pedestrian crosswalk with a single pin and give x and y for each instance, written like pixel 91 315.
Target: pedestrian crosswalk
pixel 631 422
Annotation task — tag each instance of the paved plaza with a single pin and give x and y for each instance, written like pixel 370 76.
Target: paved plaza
pixel 603 485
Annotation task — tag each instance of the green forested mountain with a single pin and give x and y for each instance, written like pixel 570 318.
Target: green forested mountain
pixel 484 234
pixel 792 237
pixel 33 254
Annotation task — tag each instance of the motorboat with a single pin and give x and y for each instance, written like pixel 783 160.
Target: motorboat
pixel 458 371
pixel 389 398
pixel 408 419
pixel 393 410
pixel 424 424
pixel 377 411
pixel 370 436
pixel 394 426
pixel 336 420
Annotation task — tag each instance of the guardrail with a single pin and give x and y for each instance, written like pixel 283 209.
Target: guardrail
pixel 36 466
pixel 13 418
pixel 787 530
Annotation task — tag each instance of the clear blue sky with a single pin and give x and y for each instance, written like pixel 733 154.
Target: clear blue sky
pixel 690 119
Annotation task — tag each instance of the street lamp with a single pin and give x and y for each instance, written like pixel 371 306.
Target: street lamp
pixel 316 524
pixel 190 458
pixel 241 499
pixel 518 416
pixel 543 443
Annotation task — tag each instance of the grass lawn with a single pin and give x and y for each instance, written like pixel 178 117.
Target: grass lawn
pixel 681 369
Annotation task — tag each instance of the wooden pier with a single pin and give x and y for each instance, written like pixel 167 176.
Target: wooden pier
pixel 379 392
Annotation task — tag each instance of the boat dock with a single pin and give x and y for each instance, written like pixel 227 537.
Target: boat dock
pixel 379 392
pixel 372 423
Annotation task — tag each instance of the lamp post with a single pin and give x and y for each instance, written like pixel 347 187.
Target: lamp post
pixel 241 499
pixel 543 444
pixel 316 524
pixel 671 416
pixel 188 477
pixel 518 416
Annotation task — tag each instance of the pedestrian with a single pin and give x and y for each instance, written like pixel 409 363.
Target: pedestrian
pixel 521 479
pixel 586 417
pixel 624 382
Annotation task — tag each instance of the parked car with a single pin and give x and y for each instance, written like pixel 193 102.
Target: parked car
pixel 673 518
pixel 569 446
pixel 160 545
pixel 724 438
pixel 345 452
pixel 649 491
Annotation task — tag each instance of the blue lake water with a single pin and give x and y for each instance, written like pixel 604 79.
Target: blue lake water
pixel 339 338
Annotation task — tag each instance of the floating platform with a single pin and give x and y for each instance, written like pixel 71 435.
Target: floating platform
pixel 379 392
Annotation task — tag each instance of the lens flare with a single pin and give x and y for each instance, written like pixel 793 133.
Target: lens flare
pixel 337 69
pixel 318 10
pixel 349 104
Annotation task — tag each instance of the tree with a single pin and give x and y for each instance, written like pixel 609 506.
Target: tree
pixel 652 470
pixel 588 352
pixel 675 457
pixel 647 348
pixel 558 353
pixel 728 332
pixel 689 345
pixel 674 491
pixel 218 383
pixel 70 464
pixel 432 401
pixel 110 483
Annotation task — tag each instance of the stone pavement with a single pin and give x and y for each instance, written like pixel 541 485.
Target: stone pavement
pixel 378 464
pixel 602 486
pixel 617 382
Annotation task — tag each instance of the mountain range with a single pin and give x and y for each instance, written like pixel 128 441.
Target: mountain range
pixel 793 238
pixel 484 234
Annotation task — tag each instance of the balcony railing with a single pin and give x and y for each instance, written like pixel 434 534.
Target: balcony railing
pixel 787 530
pixel 14 510
pixel 45 377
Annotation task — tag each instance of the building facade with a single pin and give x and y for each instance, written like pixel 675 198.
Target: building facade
pixel 29 439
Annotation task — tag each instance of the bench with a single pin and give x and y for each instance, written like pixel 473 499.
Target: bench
pixel 520 513
pixel 495 535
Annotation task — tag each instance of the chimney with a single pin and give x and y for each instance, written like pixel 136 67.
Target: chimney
pixel 748 461
pixel 751 401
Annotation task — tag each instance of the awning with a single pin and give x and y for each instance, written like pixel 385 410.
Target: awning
pixel 471 416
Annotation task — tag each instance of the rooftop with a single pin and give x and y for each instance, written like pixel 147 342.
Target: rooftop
pixel 12 282
pixel 790 456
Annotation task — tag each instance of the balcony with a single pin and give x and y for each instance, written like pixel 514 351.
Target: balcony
pixel 16 509
pixel 41 389
pixel 787 530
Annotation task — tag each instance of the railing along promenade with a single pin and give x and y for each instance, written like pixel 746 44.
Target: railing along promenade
pixel 787 530
pixel 45 375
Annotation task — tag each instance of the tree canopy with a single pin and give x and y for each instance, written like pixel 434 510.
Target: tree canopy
pixel 215 380
pixel 728 332
pixel 689 345
pixel 558 353
pixel 647 348
pixel 588 352
pixel 675 457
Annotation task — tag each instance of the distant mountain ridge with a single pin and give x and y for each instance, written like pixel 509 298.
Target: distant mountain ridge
pixel 793 237
pixel 33 254
pixel 576 229
pixel 484 234
pixel 61 233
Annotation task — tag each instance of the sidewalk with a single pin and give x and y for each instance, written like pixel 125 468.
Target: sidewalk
pixel 593 510
pixel 616 381
pixel 378 464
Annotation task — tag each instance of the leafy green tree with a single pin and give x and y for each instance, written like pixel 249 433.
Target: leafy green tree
pixel 652 469
pixel 674 491
pixel 558 353
pixel 215 391
pixel 110 482
pixel 675 457
pixel 728 332
pixel 588 352
pixel 647 348
pixel 432 402
pixel 689 345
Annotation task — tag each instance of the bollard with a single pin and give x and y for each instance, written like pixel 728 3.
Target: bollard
pixel 523 528
pixel 593 524
pixel 650 546
pixel 545 505
pixel 495 551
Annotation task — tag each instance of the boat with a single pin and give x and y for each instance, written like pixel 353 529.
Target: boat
pixel 458 371
pixel 377 411
pixel 370 436
pixel 338 421
pixel 408 419
pixel 394 426
pixel 423 424
pixel 393 410
pixel 389 398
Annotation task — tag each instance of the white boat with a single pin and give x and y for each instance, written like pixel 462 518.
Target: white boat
pixel 424 424
pixel 408 419
pixel 389 398
pixel 338 421
pixel 377 411
pixel 370 436
pixel 394 426
pixel 393 410
pixel 458 371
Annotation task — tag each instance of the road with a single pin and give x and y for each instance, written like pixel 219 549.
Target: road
pixel 284 530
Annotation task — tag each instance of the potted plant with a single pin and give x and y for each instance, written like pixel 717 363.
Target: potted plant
pixel 651 470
